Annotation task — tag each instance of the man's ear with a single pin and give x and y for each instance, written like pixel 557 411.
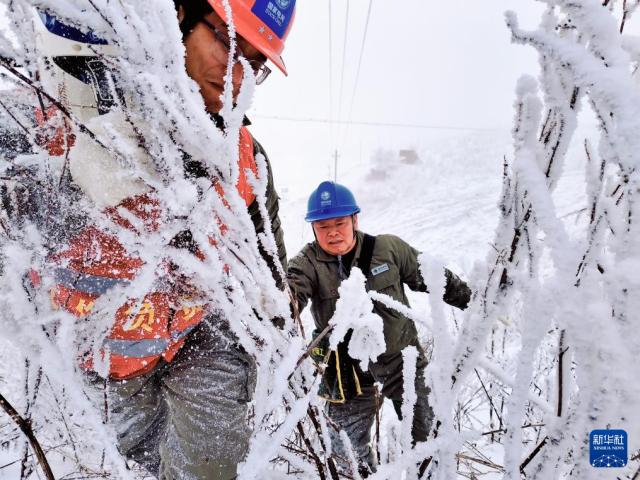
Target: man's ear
pixel 355 221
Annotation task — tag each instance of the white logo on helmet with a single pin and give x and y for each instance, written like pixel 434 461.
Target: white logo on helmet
pixel 283 4
pixel 325 196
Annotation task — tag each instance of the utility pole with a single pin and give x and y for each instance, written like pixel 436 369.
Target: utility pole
pixel 335 165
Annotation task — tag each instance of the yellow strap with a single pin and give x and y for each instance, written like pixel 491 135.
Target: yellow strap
pixel 340 389
pixel 357 379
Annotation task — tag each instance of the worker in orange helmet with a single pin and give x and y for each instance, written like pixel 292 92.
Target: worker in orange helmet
pixel 262 27
pixel 178 382
pixel 188 417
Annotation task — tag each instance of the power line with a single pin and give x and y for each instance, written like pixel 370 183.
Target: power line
pixel 344 58
pixel 330 77
pixel 364 40
pixel 376 124
pixel 355 85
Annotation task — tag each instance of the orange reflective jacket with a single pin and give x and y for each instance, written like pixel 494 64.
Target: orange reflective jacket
pixel 148 329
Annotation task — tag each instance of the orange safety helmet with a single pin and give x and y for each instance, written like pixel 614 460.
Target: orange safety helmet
pixel 265 24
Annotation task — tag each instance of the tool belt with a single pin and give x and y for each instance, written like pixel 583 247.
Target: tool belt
pixel 342 379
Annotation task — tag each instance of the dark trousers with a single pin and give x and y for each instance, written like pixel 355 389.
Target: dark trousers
pixel 356 416
pixel 187 419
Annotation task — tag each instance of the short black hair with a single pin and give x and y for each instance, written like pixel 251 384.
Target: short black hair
pixel 194 11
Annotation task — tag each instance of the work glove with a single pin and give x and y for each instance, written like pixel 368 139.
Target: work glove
pixel 341 380
pixel 319 352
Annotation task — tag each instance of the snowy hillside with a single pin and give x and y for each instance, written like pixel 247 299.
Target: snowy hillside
pixel 445 204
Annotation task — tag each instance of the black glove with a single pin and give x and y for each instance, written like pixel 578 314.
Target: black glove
pixel 341 380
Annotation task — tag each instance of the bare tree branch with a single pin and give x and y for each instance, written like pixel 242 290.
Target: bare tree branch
pixel 25 427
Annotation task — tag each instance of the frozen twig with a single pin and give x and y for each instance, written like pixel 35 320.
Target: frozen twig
pixel 8 65
pixel 312 452
pixel 316 341
pixel 25 427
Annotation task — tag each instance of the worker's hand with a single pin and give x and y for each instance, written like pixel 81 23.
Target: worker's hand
pixel 320 352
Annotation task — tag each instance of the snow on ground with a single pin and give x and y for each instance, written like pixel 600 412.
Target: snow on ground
pixel 446 204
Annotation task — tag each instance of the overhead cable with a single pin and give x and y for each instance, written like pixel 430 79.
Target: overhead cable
pixel 344 58
pixel 364 41
pixel 375 124
pixel 330 77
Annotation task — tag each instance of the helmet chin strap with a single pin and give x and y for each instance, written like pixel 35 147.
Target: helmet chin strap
pixel 353 229
pixel 353 225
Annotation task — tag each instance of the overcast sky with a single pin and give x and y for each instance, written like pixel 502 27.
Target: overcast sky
pixel 427 62
pixel 447 64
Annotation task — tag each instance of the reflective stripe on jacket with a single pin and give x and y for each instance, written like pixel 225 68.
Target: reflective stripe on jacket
pixel 144 330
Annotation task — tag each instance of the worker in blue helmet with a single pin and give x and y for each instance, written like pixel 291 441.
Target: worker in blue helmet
pixel 388 263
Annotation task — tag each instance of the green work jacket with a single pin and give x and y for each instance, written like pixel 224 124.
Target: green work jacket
pixel 313 275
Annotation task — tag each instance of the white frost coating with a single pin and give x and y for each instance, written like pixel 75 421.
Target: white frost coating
pixel 567 285
pixel 506 380
pixel 409 396
pixel 486 363
pixel 350 455
pixel 354 312
pixel 272 303
pixel 324 428
pixel 25 327
pixel 438 372
pixel 588 293
pixel 142 149
pixel 101 176
pixel 408 312
pixel 265 445
pixel 227 94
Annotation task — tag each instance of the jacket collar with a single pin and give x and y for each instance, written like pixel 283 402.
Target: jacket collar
pixel 323 256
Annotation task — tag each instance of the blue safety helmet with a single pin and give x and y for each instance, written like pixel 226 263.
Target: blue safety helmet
pixel 330 200
pixel 57 27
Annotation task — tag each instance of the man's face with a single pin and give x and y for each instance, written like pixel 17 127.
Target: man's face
pixel 335 236
pixel 206 60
